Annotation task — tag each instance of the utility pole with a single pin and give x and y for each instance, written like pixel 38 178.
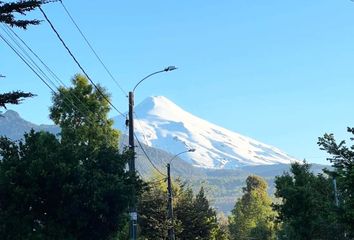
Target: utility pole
pixel 133 213
pixel 170 218
pixel 132 209
pixel 171 229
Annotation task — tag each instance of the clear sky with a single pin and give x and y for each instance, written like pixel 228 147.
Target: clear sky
pixel 281 72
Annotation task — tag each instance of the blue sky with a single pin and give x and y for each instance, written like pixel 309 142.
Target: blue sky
pixel 277 71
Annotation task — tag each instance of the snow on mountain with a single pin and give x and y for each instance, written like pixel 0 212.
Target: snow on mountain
pixel 162 124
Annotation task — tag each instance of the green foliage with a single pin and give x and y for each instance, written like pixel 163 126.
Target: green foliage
pixel 153 213
pixel 252 216
pixel 7 11
pixel 307 209
pixel 87 125
pixel 194 218
pixel 197 218
pixel 14 97
pixel 342 158
pixel 74 187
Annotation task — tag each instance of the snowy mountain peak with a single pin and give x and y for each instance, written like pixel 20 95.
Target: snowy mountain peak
pixel 162 124
pixel 160 106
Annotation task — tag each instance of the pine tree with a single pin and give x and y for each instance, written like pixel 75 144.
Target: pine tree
pixel 198 219
pixel 342 158
pixel 7 16
pixel 15 97
pixel 8 11
pixel 307 210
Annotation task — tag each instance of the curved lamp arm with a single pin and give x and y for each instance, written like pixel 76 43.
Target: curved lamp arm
pixel 167 69
pixel 189 150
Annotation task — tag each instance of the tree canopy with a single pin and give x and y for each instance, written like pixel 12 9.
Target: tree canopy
pixel 194 217
pixel 307 209
pixel 342 158
pixel 22 7
pixel 72 187
pixel 15 97
pixel 252 216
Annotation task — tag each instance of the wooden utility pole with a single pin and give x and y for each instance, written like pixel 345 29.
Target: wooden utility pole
pixel 170 220
pixel 133 213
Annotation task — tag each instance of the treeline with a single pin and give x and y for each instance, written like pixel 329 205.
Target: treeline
pixel 75 186
pixel 307 206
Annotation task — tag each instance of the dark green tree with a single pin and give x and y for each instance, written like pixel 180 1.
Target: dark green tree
pixel 7 16
pixel 66 189
pixel 342 158
pixel 307 209
pixel 152 207
pixel 87 124
pixel 252 216
pixel 15 97
pixel 22 7
pixel 197 218
pixel 193 216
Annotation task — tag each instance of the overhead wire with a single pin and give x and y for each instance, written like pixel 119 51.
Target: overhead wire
pixel 92 49
pixel 40 73
pixel 147 156
pixel 33 63
pixel 55 76
pixel 77 62
pixel 144 136
pixel 25 61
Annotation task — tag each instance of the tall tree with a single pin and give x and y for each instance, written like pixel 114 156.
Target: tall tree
pixel 307 209
pixel 194 217
pixel 197 218
pixel 342 158
pixel 61 189
pixel 87 124
pixel 252 216
pixel 152 207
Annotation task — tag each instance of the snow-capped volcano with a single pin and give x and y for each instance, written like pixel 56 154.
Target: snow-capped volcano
pixel 162 124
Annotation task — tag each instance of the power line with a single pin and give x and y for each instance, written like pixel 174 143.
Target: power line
pixel 146 142
pixel 57 79
pixel 77 62
pixel 21 57
pixel 33 66
pixel 152 163
pixel 92 49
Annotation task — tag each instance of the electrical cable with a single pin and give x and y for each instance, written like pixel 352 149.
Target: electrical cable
pixel 77 62
pixel 151 162
pixel 92 49
pixel 57 79
pixel 28 65
pixel 33 66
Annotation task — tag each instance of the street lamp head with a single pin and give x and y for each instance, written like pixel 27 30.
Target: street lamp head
pixel 191 150
pixel 170 68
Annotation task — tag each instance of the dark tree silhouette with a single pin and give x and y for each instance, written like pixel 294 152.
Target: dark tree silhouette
pixel 14 97
pixel 7 16
pixel 8 11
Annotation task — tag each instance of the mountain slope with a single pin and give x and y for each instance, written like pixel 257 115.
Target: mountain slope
pixel 13 126
pixel 223 186
pixel 162 124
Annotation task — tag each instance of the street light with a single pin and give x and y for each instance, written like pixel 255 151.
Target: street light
pixel 171 229
pixel 133 213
